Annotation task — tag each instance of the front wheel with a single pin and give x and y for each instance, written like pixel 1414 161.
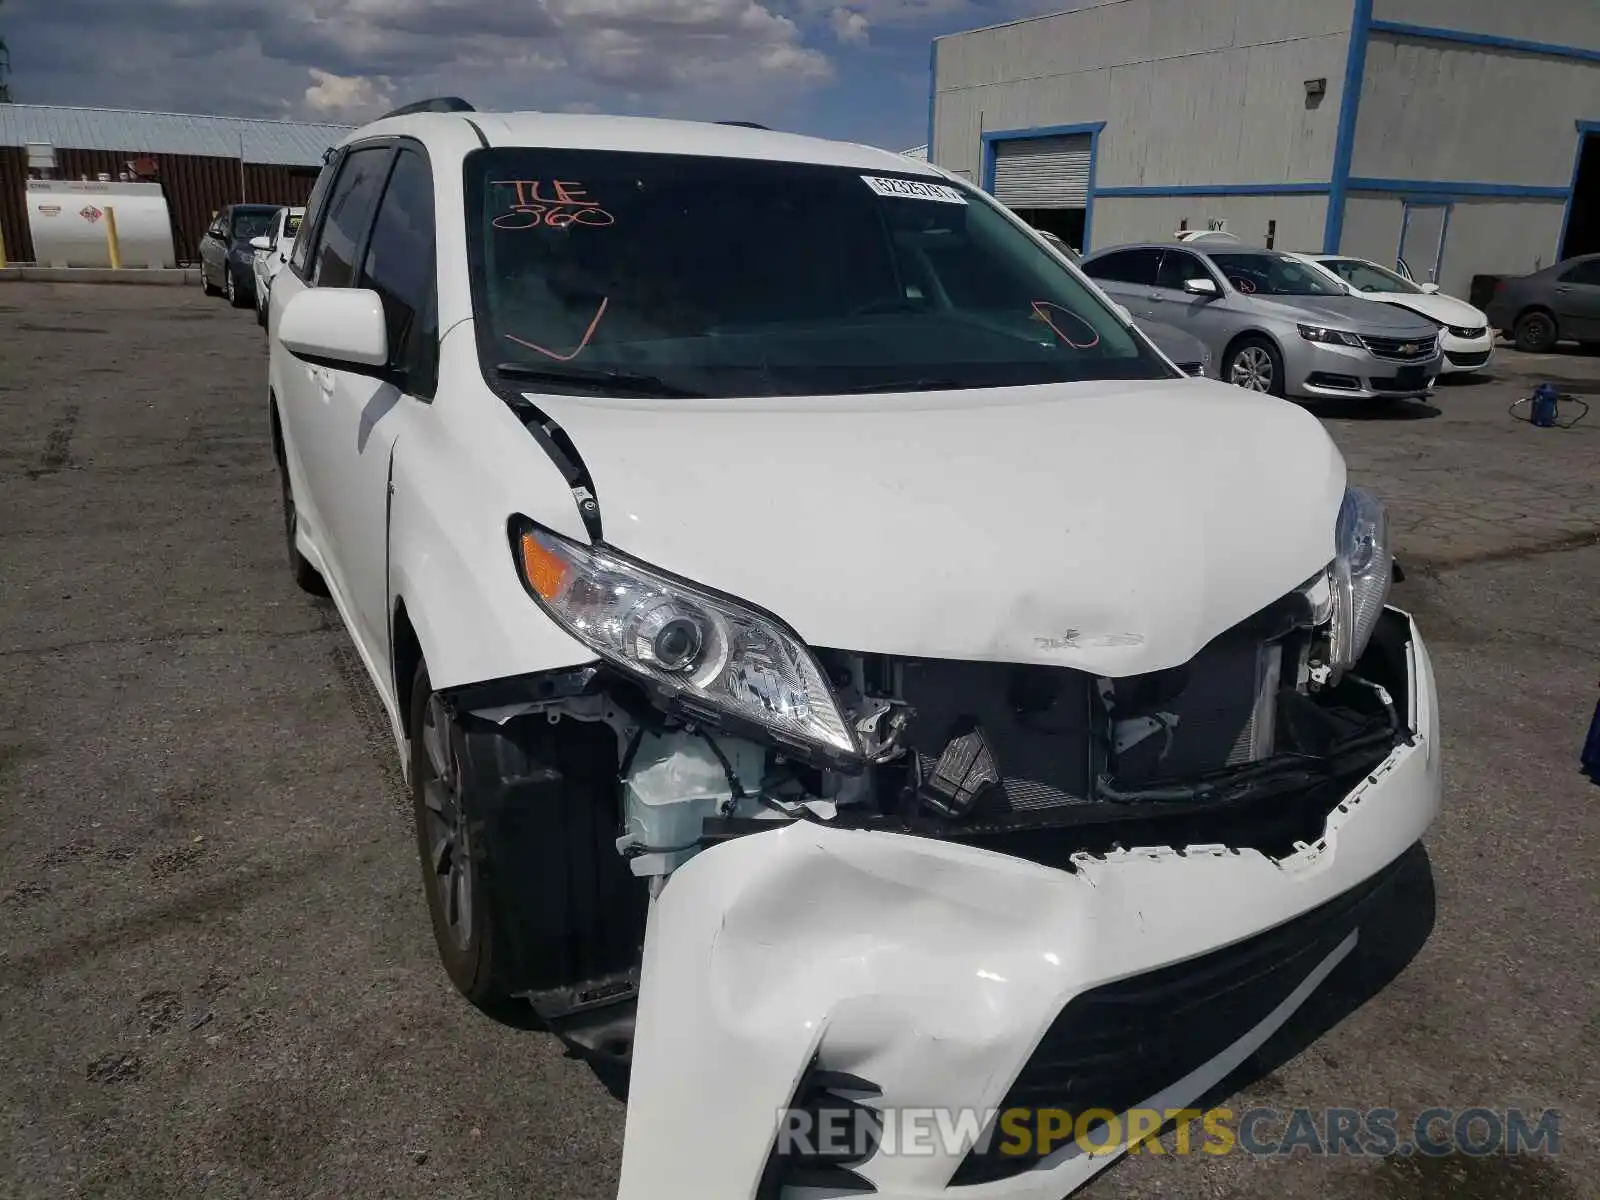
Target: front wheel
pixel 464 926
pixel 236 296
pixel 205 282
pixel 305 575
pixel 1254 364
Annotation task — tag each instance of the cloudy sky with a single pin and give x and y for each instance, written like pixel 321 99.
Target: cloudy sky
pixel 856 69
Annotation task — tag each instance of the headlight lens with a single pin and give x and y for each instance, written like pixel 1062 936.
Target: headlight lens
pixel 1332 337
pixel 684 641
pixel 1363 568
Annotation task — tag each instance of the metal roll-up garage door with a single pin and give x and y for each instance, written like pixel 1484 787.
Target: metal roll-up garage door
pixel 1048 172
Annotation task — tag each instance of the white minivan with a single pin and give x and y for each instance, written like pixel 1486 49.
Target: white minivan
pixel 841 667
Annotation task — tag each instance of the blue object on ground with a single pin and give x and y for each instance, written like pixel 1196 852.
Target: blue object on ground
pixel 1591 748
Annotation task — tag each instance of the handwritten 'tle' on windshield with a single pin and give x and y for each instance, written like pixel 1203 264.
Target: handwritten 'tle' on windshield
pixel 550 204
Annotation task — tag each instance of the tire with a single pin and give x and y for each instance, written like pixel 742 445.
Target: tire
pixel 1256 360
pixel 261 312
pixel 1536 333
pixel 525 816
pixel 465 931
pixel 235 293
pixel 205 282
pixel 306 576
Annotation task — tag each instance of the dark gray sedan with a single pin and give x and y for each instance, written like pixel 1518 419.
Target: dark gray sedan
pixel 227 261
pixel 1559 303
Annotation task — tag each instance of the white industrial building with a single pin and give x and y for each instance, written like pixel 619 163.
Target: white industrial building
pixel 1460 136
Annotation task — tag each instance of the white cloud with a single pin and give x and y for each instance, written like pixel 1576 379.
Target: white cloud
pixel 347 98
pixel 848 25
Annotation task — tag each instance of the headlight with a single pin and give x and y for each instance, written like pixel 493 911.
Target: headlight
pixel 706 650
pixel 1363 568
pixel 1332 337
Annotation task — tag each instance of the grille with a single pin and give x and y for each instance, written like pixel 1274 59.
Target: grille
pixel 1465 331
pixel 1468 360
pixel 1119 1045
pixel 1192 368
pixel 1397 348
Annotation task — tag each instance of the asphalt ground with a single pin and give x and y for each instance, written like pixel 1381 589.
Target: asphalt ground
pixel 216 975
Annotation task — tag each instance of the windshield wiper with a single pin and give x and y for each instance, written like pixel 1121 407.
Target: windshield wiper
pixel 895 385
pixel 597 380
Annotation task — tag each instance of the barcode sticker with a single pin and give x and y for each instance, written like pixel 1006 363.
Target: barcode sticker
pixel 913 189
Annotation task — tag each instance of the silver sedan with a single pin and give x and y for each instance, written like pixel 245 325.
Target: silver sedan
pixel 1274 324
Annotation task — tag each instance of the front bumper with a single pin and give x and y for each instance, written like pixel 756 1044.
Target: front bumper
pixel 1323 371
pixel 934 970
pixel 1463 355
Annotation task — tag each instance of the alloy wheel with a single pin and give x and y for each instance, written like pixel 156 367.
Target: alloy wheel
pixel 449 847
pixel 1252 369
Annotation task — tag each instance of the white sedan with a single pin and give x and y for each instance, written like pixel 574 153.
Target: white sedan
pixel 273 249
pixel 1464 332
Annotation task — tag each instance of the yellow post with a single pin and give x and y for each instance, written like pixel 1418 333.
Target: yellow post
pixel 2 249
pixel 112 244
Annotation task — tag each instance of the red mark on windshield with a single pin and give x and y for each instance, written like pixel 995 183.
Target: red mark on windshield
pixel 582 344
pixel 554 204
pixel 1042 310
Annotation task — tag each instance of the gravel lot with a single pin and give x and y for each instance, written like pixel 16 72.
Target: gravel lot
pixel 216 977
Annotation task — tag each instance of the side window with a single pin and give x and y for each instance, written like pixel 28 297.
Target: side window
pixel 399 261
pixel 1177 267
pixel 319 194
pixel 1126 266
pixel 1584 272
pixel 350 206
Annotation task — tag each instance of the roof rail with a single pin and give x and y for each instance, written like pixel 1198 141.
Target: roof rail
pixel 439 104
pixel 745 125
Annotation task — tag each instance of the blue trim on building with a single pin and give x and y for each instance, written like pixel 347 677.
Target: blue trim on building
pixel 1217 189
pixel 1585 128
pixel 1451 189
pixel 1489 40
pixel 1355 69
pixel 1092 128
pixel 933 89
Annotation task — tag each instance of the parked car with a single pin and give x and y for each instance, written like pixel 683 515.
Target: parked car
pixel 226 257
pixel 1559 303
pixel 1275 324
pixel 780 660
pixel 1189 353
pixel 1464 332
pixel 272 250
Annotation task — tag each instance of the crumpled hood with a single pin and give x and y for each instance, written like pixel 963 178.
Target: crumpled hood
pixel 1447 310
pixel 1115 527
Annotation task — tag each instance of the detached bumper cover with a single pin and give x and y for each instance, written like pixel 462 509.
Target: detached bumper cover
pixel 945 974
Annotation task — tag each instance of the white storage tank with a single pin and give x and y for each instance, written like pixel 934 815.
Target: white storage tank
pixel 68 221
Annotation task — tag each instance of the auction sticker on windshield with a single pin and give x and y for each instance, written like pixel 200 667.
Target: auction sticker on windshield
pixel 914 189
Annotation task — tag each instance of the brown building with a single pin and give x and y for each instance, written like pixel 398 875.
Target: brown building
pixel 202 163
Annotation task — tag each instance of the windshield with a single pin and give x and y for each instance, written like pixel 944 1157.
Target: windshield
pixel 1260 274
pixel 1369 277
pixel 252 224
pixel 735 277
pixel 291 225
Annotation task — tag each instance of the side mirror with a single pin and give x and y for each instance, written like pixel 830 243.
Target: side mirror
pixel 336 327
pixel 261 243
pixel 1200 287
pixel 1431 289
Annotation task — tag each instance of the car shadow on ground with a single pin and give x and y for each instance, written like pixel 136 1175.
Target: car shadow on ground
pixel 1371 410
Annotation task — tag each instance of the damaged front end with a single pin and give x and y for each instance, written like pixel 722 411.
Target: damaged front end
pixel 885 880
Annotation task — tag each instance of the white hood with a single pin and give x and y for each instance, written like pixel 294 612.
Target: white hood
pixel 1109 527
pixel 1445 309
